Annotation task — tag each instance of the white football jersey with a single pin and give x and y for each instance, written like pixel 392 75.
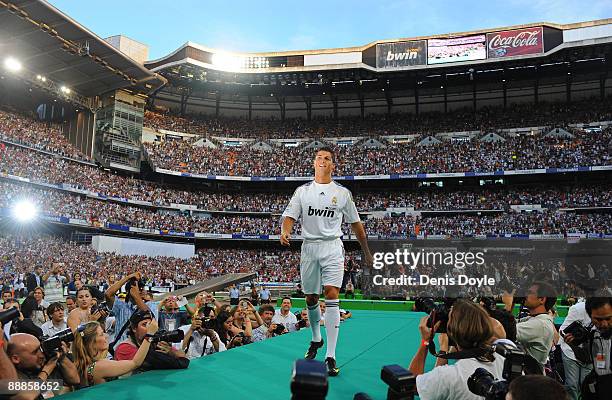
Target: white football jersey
pixel 321 207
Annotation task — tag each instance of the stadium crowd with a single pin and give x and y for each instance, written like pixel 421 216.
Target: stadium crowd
pixel 26 130
pixel 486 119
pixel 522 152
pixel 98 212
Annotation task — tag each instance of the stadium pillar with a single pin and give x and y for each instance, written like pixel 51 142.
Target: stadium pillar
pixel 362 105
pixel 416 98
pixel 389 101
pixel 536 87
pixel 282 104
pixel 602 86
pixel 568 88
pixel 474 95
pixel 445 100
pixel 217 104
pixel 308 101
pixel 335 104
pixel 250 108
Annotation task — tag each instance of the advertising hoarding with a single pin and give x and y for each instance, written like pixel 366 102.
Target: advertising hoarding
pixel 401 54
pixel 467 48
pixel 515 43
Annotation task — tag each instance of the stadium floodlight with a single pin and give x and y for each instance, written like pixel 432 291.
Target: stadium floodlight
pixel 227 62
pixel 65 89
pixel 12 64
pixel 25 211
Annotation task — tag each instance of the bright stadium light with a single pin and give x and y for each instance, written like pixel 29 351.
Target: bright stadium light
pixel 227 62
pixel 65 89
pixel 25 211
pixel 12 64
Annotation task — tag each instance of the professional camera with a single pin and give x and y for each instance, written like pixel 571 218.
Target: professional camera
pixel 168 336
pixel 50 346
pixel 280 328
pixel 578 331
pixel 437 312
pixel 102 307
pixel 301 323
pixel 9 315
pixel 482 383
pixel 208 323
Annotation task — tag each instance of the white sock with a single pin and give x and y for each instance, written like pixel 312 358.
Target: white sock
pixel 314 317
pixel 332 326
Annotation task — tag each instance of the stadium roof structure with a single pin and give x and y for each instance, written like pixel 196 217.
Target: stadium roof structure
pixel 51 45
pixel 203 76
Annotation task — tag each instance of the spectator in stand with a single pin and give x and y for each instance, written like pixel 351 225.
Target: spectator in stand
pixel 57 320
pixel 264 294
pixel 35 279
pixel 72 285
pixel 54 283
pixel 35 306
pixel 234 295
pixel 82 314
pixel 70 304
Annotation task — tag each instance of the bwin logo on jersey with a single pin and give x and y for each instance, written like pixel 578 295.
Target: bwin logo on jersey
pixel 327 212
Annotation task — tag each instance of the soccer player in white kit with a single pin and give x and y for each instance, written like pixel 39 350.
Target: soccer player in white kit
pixel 322 204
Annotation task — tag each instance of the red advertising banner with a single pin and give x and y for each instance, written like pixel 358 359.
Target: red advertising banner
pixel 515 43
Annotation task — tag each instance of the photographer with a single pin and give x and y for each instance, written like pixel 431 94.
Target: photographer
pixel 598 385
pixel 267 329
pixel 535 387
pixel 35 307
pixel 25 353
pixel 57 322
pixel 469 327
pixel 54 283
pixel 200 337
pixel 230 335
pixel 161 355
pixel 536 332
pixel 122 310
pixel 170 316
pixel 575 370
pixel 90 349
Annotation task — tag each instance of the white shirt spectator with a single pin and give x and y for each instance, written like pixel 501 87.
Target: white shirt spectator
pixel 54 289
pixel 536 334
pixel 449 382
pixel 288 321
pixel 48 329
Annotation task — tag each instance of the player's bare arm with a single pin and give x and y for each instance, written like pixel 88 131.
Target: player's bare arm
pixel 286 230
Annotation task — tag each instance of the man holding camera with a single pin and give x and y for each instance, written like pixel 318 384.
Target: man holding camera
pixel 124 309
pixel 54 283
pixel 536 332
pixel 598 385
pixel 24 351
pixel 200 337
pixel 161 354
pixel 285 317
pixel 577 365
pixel 268 329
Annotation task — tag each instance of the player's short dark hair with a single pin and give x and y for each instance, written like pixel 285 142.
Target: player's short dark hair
pixel 329 150
pixel 596 302
pixel 528 387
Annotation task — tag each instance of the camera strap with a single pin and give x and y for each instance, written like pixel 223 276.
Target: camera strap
pixel 111 347
pixel 463 354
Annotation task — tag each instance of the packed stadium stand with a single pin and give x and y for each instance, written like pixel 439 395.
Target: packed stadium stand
pixel 194 150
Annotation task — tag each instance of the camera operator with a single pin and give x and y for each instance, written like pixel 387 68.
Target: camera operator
pixel 598 385
pixel 57 321
pixel 161 355
pixel 170 316
pixel 536 332
pixel 576 365
pixel 535 387
pixel 200 337
pixel 54 283
pixel 35 307
pixel 24 351
pixel 267 329
pixel 469 327
pixel 20 324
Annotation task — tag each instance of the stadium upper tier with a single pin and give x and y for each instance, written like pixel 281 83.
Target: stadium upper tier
pixel 67 208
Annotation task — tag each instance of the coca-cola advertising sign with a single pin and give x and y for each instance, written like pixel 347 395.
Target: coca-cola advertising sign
pixel 515 43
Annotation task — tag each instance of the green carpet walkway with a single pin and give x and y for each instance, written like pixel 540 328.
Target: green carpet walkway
pixel 367 341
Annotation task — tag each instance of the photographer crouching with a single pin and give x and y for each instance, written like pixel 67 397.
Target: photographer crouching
pixel 471 331
pixel 26 353
pixel 161 354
